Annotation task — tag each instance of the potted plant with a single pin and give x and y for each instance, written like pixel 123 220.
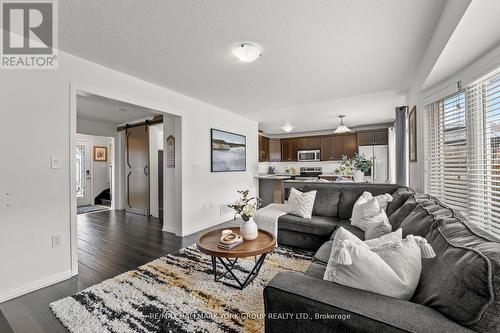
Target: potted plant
pixel 246 208
pixel 359 164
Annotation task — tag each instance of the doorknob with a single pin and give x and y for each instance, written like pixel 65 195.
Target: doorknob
pixel 146 170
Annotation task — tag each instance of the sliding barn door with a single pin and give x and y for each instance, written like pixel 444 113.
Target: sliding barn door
pixel 137 170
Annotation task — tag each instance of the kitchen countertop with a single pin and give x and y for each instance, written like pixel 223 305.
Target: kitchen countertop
pixel 307 181
pixel 273 177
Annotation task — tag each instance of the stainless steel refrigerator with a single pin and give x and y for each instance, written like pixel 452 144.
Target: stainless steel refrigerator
pixel 379 154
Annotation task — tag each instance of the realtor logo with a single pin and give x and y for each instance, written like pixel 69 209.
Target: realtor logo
pixel 29 34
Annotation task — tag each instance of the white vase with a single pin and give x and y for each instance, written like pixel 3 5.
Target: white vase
pixel 359 176
pixel 249 230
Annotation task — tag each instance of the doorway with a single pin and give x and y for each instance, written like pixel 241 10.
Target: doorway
pixel 94 166
pixel 82 153
pixel 135 172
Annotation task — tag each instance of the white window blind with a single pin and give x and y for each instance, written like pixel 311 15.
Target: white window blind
pixel 462 140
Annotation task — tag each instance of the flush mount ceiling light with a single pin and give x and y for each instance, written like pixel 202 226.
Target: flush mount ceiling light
pixel 287 128
pixel 342 128
pixel 247 52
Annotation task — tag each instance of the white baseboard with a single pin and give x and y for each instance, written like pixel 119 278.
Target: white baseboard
pixel 27 288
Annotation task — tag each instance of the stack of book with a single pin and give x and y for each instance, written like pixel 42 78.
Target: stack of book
pixel 230 241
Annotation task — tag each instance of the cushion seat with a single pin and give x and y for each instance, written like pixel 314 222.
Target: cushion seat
pixel 353 230
pixel 316 269
pixel 317 225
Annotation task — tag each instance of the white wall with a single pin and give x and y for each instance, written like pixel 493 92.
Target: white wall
pixel 450 17
pixel 100 171
pixel 38 203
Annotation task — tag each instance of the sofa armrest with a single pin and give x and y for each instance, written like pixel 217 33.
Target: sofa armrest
pixel 296 302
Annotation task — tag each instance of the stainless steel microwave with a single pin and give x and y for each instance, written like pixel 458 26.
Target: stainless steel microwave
pixel 309 155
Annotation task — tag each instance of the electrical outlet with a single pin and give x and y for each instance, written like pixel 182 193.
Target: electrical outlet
pixel 56 240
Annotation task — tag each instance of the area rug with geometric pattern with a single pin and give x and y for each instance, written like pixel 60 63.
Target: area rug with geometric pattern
pixel 177 293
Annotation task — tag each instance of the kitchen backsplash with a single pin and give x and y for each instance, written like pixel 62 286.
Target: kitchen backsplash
pixel 328 167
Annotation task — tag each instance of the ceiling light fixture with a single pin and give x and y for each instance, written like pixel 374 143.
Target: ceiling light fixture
pixel 342 128
pixel 247 52
pixel 287 128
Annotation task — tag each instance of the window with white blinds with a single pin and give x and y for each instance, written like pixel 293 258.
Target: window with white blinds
pixel 462 140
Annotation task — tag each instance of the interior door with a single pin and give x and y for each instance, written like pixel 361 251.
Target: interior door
pixel 83 175
pixel 137 170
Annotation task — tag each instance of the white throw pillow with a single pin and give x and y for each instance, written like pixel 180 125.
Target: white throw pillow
pixel 393 237
pixel 301 203
pixel 391 269
pixel 383 199
pixel 363 210
pixel 378 226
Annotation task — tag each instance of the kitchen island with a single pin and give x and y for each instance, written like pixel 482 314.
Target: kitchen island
pixel 271 188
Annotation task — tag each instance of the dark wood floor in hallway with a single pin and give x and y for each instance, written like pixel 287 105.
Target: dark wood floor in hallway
pixel 109 243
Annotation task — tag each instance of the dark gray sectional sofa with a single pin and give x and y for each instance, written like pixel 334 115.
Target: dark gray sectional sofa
pixel 459 289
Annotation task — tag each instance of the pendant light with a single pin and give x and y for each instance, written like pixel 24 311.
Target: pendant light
pixel 342 128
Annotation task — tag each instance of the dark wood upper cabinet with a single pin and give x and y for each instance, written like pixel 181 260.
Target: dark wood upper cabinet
pixel 274 150
pixel 263 148
pixel 333 147
pixel 337 147
pixel 310 142
pixel 294 147
pixel 349 144
pixel 326 148
pixel 289 149
pixel 366 138
pixel 382 137
pixel 375 137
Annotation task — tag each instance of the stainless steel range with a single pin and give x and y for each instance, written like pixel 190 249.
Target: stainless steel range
pixel 309 173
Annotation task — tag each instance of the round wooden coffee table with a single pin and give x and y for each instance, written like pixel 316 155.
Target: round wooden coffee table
pixel 261 246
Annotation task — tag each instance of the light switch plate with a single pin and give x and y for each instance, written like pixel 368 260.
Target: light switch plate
pixel 55 162
pixel 56 240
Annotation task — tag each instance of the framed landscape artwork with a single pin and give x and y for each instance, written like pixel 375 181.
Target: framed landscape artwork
pixel 100 154
pixel 413 133
pixel 229 151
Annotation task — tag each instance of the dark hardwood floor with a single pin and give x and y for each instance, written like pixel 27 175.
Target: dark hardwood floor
pixel 109 243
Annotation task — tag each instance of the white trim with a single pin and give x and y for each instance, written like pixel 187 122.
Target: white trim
pixel 74 88
pixel 72 181
pixel 27 288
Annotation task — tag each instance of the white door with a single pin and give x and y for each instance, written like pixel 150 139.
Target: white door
pixel 83 174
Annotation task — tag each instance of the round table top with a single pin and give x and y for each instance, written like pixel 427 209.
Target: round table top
pixel 264 243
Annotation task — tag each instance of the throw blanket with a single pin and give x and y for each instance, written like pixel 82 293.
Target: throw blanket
pixel 267 217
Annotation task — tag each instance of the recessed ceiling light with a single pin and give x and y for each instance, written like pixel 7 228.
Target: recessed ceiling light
pixel 287 128
pixel 247 52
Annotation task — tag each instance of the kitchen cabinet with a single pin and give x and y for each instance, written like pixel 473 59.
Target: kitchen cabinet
pixel 274 150
pixel 326 148
pixel 382 137
pixel 375 137
pixel 333 147
pixel 310 142
pixel 289 149
pixel 349 144
pixel 263 148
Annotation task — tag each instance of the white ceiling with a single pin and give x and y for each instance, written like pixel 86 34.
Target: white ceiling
pixel 477 33
pixel 312 50
pixel 110 111
pixel 359 110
